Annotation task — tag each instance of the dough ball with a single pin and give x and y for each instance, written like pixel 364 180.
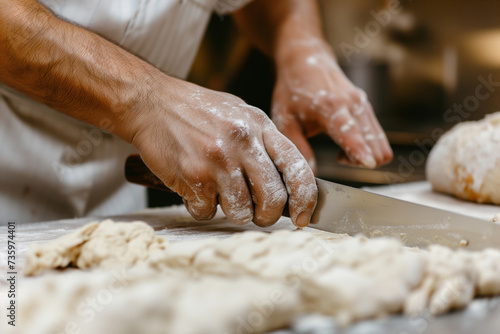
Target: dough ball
pixel 465 162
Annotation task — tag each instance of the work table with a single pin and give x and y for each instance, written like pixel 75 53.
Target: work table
pixel 175 224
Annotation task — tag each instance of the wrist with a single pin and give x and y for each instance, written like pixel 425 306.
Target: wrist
pixel 305 49
pixel 147 98
pixel 300 29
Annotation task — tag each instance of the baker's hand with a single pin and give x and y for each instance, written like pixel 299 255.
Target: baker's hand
pixel 313 95
pixel 211 147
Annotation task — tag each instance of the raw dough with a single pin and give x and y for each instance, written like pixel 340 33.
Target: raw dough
pixel 250 282
pixel 143 300
pixel 465 162
pixel 105 244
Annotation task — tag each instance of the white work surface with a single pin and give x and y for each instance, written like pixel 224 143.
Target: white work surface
pixel 174 224
pixel 421 193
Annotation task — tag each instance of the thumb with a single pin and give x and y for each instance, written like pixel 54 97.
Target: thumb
pixel 293 131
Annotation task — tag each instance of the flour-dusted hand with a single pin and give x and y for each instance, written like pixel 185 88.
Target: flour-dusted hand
pixel 212 147
pixel 313 95
pixel 207 146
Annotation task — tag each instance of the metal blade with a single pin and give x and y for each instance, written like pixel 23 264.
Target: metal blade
pixel 343 209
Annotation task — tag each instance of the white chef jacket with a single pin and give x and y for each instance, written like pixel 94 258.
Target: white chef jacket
pixel 53 166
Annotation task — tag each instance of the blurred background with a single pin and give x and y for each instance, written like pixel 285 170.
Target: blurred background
pixel 420 62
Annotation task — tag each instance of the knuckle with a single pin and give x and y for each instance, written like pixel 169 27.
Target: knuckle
pixel 332 102
pixel 302 179
pixel 209 189
pixel 256 111
pixel 215 152
pixel 311 194
pixel 272 127
pixel 262 119
pixel 355 98
pixel 240 131
pixel 305 197
pixel 241 215
pixel 274 198
pixel 358 96
pixel 197 183
pixel 278 198
pixel 195 177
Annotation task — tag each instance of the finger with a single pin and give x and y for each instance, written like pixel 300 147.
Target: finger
pixel 293 131
pixel 298 176
pixel 369 131
pixel 199 197
pixel 383 142
pixel 267 189
pixel 343 159
pixel 201 211
pixel 234 197
pixel 374 134
pixel 342 128
pixel 201 203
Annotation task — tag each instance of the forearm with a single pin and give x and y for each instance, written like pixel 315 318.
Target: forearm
pixel 281 24
pixel 69 68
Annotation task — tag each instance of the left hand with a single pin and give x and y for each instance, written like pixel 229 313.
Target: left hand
pixel 313 95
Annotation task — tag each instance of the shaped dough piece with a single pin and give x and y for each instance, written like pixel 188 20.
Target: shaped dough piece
pixel 59 253
pixel 114 245
pixel 465 161
pixel 487 265
pixel 450 281
pixel 104 245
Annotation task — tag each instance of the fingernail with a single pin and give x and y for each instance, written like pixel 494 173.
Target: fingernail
pixel 369 162
pixel 303 219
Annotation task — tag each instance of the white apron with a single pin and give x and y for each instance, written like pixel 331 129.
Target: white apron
pixel 53 166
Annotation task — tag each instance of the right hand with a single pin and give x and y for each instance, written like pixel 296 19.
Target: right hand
pixel 212 147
